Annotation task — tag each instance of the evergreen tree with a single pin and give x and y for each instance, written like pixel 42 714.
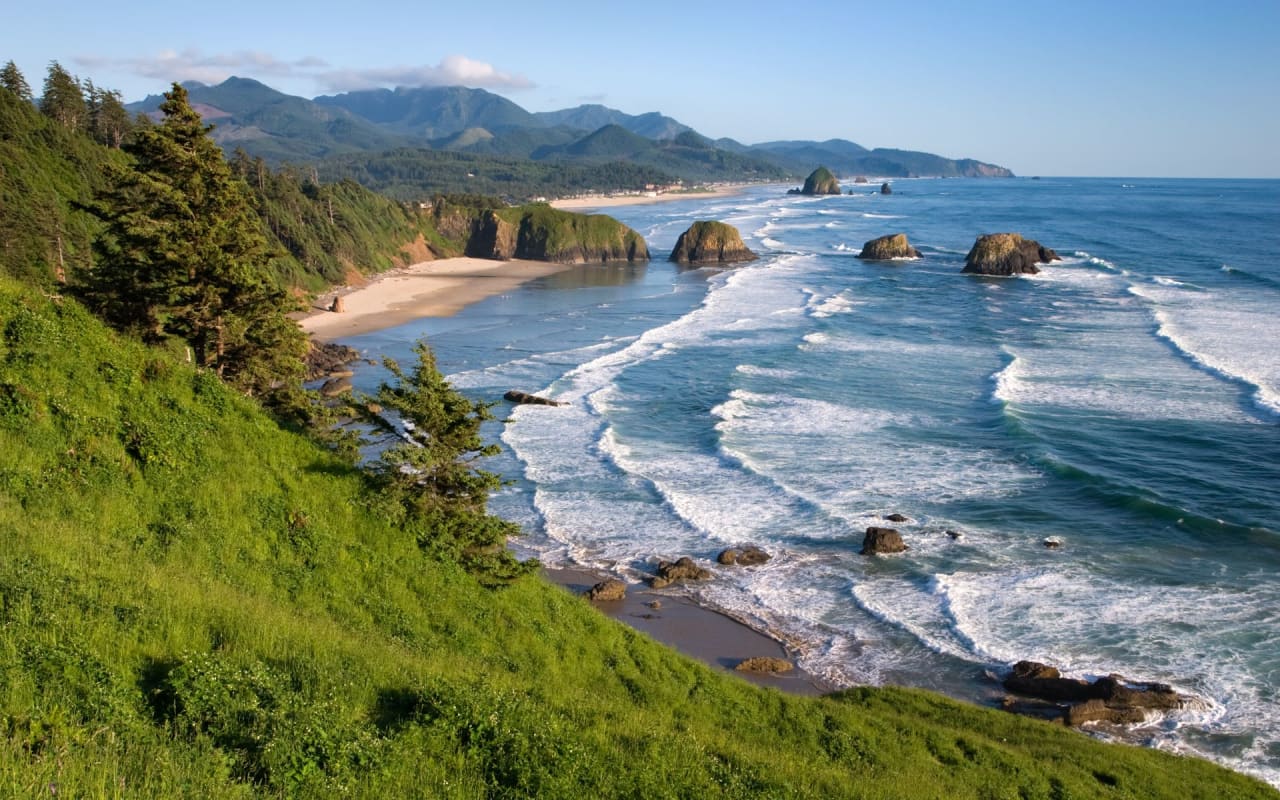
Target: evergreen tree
pixel 11 78
pixel 182 254
pixel 63 100
pixel 109 121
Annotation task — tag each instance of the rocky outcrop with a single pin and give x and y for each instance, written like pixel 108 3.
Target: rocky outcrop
pixel 767 665
pixel 1006 254
pixel 1109 699
pixel 748 556
pixel 886 189
pixel 821 181
pixel 541 233
pixel 524 398
pixel 338 306
pixel 711 242
pixel 335 387
pixel 682 569
pixel 326 358
pixel 882 540
pixel 895 245
pixel 607 591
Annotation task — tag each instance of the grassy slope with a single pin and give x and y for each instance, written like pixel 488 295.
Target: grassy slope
pixel 194 602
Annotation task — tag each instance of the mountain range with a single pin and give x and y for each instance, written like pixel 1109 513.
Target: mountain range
pixel 283 128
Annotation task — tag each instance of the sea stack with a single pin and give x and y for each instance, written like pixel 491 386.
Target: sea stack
pixel 1007 254
pixel 821 181
pixel 710 243
pixel 895 245
pixel 886 189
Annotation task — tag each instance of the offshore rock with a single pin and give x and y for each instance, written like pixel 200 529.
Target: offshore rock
pixel 895 245
pixel 1109 699
pixel 768 665
pixel 1006 254
pixel 524 398
pixel 882 540
pixel 748 556
pixel 682 569
pixel 821 181
pixel 607 590
pixel 886 189
pixel 711 242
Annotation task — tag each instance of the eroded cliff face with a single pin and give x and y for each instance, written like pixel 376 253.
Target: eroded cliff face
pixel 711 242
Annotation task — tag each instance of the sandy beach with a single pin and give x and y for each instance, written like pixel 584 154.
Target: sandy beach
pixel 427 289
pixel 612 201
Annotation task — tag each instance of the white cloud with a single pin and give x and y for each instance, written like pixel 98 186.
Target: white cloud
pixel 213 68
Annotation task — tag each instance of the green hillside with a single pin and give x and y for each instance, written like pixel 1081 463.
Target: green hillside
pixel 201 599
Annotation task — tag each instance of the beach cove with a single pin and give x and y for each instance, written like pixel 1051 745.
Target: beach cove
pixel 1112 402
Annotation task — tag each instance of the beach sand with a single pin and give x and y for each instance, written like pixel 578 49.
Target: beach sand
pixel 611 201
pixel 697 631
pixel 427 289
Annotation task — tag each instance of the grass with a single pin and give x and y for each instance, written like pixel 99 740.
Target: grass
pixel 195 602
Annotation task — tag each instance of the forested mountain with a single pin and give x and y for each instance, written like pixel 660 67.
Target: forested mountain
pixel 276 127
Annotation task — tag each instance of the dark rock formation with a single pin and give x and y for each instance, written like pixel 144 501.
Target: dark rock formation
pixel 326 358
pixel 821 181
pixel 895 245
pixel 607 590
pixel 897 518
pixel 337 306
pixel 886 189
pixel 335 386
pixel 860 179
pixel 711 242
pixel 882 540
pixel 747 556
pixel 682 569
pixel 1006 254
pixel 768 665
pixel 541 233
pixel 1108 699
pixel 524 398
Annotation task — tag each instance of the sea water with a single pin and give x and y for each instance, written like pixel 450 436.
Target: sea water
pixel 1125 402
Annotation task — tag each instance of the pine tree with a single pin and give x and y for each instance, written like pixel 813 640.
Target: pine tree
pixel 11 78
pixel 182 254
pixel 63 100
pixel 109 121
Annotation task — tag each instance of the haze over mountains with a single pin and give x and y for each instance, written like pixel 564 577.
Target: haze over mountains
pixel 283 128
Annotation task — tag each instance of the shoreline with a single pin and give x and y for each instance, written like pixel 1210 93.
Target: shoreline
pixel 692 629
pixel 613 201
pixel 439 288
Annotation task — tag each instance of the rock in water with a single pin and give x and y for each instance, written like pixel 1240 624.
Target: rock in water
pixel 886 189
pixel 524 398
pixel 682 569
pixel 882 540
pixel 608 590
pixel 1006 254
pixel 821 181
pixel 711 242
pixel 748 556
pixel 768 665
pixel 1108 699
pixel 895 245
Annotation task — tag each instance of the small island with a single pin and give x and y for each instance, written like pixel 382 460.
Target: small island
pixel 710 243
pixel 820 181
pixel 1007 254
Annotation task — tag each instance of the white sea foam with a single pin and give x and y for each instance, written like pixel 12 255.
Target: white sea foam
pixel 767 372
pixel 869 215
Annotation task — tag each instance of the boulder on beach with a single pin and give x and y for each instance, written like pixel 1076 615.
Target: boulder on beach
pixel 711 242
pixel 682 569
pixel 885 248
pixel 821 181
pixel 524 398
pixel 747 556
pixel 1006 254
pixel 768 665
pixel 882 540
pixel 607 590
pixel 337 306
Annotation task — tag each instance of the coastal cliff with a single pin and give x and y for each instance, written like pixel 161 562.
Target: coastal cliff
pixel 541 233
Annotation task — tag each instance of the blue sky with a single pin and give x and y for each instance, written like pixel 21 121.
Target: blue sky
pixel 1063 88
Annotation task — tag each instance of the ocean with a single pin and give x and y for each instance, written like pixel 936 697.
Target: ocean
pixel 1125 402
